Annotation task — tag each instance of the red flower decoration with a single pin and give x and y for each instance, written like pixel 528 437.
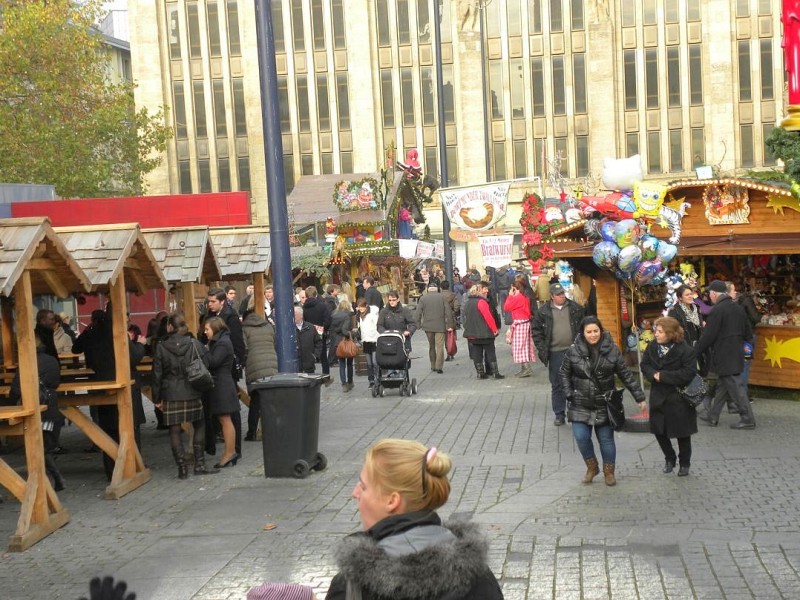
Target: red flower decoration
pixel 532 238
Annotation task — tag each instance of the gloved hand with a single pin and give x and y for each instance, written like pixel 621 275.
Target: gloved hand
pixel 105 589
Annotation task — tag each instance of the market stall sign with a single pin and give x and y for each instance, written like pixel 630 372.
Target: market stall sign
pixel 476 208
pixel 727 204
pixel 460 235
pixel 496 249
pixel 357 195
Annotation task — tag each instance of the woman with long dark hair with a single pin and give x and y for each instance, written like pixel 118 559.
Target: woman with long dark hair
pixel 223 397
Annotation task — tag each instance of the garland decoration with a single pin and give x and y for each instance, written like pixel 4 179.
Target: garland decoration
pixel 535 230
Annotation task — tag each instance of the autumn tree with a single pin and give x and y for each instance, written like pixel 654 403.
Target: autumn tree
pixel 62 120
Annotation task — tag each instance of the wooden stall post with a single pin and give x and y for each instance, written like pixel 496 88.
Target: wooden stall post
pixel 258 294
pixel 189 306
pixel 7 332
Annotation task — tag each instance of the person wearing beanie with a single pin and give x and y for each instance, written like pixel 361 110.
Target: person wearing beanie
pixel 725 333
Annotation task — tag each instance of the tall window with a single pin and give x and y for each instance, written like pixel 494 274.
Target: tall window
pixel 174 28
pixel 323 104
pixel 298 31
pixel 220 124
pixel 766 131
pixel 765 7
pixel 214 44
pixel 693 10
pixel 224 172
pixel 303 110
pixel 671 11
pixel 244 174
pixel 403 26
pixel 517 89
pixel 746 144
pixel 382 13
pixel 742 8
pixel 343 100
pixel 576 14
pixel 698 147
pixel 673 76
pixel 651 76
pixel 306 164
pixel 239 116
pixel 649 12
pixel 581 156
pixel 628 14
pixel 745 80
pixel 537 83
pixel 514 20
pixel 561 149
pixel 556 16
pixel 194 30
pixel 288 172
pixel 277 27
pixel 431 161
pixel 520 159
pixel 579 82
pixel 538 155
pixel 337 19
pixel 767 79
pixel 204 174
pixel 499 156
pixel 496 88
pixel 428 110
pixel 185 176
pixel 407 97
pixel 326 162
pixel 631 144
pixel 535 16
pixel 234 44
pixel 675 150
pixel 317 25
pixel 447 95
pixel 654 152
pixel 423 21
pixel 199 97
pixel 452 164
pixel 283 104
pixel 179 109
pixel 629 62
pixel 558 91
pixel 387 95
pixel 346 162
pixel 695 75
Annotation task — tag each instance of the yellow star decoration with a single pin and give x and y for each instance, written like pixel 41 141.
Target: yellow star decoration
pixel 673 203
pixel 776 350
pixel 778 203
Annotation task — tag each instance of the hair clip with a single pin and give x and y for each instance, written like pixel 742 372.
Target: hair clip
pixel 430 454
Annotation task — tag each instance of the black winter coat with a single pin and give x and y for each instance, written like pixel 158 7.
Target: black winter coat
pixel 50 377
pixel 259 337
pixel 413 556
pixel 223 398
pixel 542 327
pixel 341 327
pixel 396 319
pixel 578 375
pixel 669 414
pixel 308 344
pixel 316 312
pixel 373 297
pixel 726 330
pixel 173 355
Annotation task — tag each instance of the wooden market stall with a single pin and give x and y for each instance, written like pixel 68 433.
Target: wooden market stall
pixel 244 253
pixel 33 260
pixel 116 259
pixel 188 259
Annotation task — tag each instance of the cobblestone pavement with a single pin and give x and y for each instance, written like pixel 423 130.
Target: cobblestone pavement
pixel 730 530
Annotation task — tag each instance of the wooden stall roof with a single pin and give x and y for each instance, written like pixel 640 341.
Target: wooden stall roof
pixel 184 254
pixel 241 251
pixel 106 251
pixel 32 242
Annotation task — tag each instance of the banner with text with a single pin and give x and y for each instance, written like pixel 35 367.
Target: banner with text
pixel 476 208
pixel 496 250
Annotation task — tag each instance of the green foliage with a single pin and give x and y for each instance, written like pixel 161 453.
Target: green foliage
pixel 785 145
pixel 62 121
pixel 312 265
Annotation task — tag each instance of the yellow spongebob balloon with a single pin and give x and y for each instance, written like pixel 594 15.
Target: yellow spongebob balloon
pixel 648 197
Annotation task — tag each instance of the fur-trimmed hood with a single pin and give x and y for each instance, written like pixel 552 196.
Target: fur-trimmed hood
pixel 425 561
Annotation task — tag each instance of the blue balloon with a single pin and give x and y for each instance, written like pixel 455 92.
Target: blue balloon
pixel 649 245
pixel 666 252
pixel 646 271
pixel 622 275
pixel 605 255
pixel 608 231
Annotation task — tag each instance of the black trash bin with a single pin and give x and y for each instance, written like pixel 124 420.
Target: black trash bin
pixel 289 423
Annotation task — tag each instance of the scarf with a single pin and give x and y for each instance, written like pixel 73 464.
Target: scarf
pixel 691 312
pixel 663 349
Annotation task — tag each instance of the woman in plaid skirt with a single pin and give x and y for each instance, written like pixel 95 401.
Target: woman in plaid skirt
pixel 518 304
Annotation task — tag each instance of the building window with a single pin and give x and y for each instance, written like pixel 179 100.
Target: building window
pixel 431 161
pixel 323 104
pixel 499 157
pixel 283 104
pixel 698 148
pixel 185 175
pixel 403 26
pixel 556 16
pixel 220 124
pixel 520 159
pixel 675 150
pixel 693 10
pixel 204 172
pixel 423 21
pixel 631 144
pixel 214 43
pixel 558 91
pixel 629 62
pixel 496 88
pixel 199 98
pixel 766 131
pixel 317 25
pixel 742 8
pixel 538 156
pixel 244 174
pixel 628 14
pixel 179 108
pixel 765 7
pixel 649 12
pixel 579 82
pixel 537 85
pixel 535 16
pixel 426 85
pixel 767 79
pixel 746 145
pixel 407 97
pixel 447 95
pixel 288 172
pixel 651 76
pixel 581 156
pixel 343 101
pixel 745 81
pixel 298 31
pixel 346 159
pixel 306 164
pixel 654 152
pixel 277 27
pixel 671 11
pixel 382 13
pixel 514 20
pixel 452 165
pixel 387 94
pixel 561 150
pixel 492 12
pixel 303 110
pixel 673 76
pixel 174 29
pixel 224 170
pixel 695 75
pixel 239 115
pixel 234 45
pixel 576 13
pixel 337 20
pixel 517 89
pixel 326 162
pixel 194 30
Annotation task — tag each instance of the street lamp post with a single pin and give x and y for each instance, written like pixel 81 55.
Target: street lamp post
pixel 276 191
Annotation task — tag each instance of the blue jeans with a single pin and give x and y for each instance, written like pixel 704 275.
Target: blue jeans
pixel 559 399
pixel 605 436
pixel 346 367
pixel 746 370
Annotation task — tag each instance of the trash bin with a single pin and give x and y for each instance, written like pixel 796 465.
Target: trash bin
pixel 289 423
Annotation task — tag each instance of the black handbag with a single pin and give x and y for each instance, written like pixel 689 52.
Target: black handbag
pixel 614 407
pixel 197 373
pixel 695 392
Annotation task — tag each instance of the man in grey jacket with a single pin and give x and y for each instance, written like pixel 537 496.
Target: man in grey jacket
pixel 435 318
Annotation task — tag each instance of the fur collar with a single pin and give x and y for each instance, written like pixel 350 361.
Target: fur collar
pixel 440 569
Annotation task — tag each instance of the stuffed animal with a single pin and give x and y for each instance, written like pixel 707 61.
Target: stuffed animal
pixel 621 173
pixel 646 334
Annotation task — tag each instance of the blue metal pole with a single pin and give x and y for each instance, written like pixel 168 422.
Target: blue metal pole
pixel 276 192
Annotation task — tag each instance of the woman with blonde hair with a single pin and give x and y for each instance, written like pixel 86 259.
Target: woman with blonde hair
pixel 405 551
pixel 341 328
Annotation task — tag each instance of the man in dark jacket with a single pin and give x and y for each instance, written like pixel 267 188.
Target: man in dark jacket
pixel 745 300
pixel 455 306
pixel 309 342
pixel 726 330
pixel 371 293
pixel 555 326
pixel 262 359
pixel 317 312
pixel 503 278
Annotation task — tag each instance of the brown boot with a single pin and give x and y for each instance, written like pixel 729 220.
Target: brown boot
pixel 608 473
pixel 592 469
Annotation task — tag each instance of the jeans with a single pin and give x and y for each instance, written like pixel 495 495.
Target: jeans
pixel 501 301
pixel 346 370
pixel 372 367
pixel 684 447
pixel 559 399
pixel 605 436
pixel 731 386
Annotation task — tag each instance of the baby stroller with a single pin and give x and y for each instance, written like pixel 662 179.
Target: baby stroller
pixel 393 364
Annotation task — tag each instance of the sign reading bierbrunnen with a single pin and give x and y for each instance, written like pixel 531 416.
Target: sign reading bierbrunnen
pixel 476 208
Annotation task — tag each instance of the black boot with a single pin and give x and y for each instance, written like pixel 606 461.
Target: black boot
pixel 51 469
pixel 495 372
pixel 200 461
pixel 183 470
pixel 480 370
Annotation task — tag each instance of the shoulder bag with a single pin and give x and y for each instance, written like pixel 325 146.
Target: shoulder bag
pixel 347 348
pixel 695 392
pixel 197 373
pixel 614 406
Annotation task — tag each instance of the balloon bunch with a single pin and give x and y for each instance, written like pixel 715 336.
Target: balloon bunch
pixel 632 254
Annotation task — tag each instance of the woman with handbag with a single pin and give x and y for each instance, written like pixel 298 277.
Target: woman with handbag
pixel 587 377
pixel 340 334
pixel 669 364
pixel 519 305
pixel 173 393
pixel 223 398
pixel 367 319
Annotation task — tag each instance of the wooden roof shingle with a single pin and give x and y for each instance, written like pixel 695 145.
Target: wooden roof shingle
pixel 241 251
pixel 184 255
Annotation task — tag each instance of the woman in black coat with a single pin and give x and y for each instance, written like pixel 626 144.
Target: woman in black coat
pixel 689 318
pixel 587 374
pixel 669 363
pixel 178 400
pixel 223 397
